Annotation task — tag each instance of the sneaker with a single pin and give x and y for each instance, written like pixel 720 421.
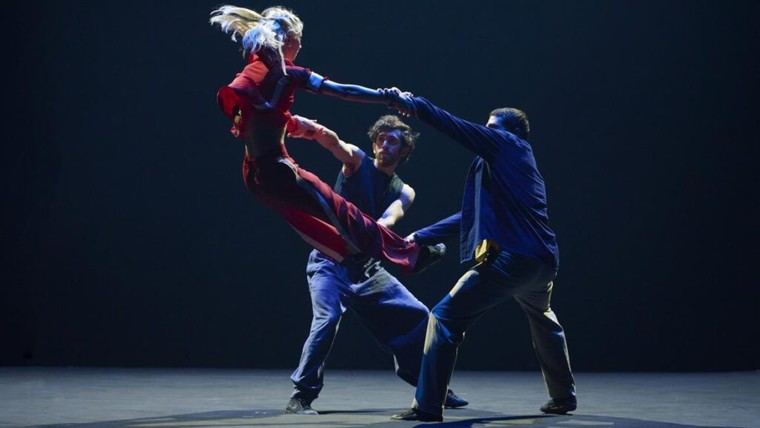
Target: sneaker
pixel 429 255
pixel 417 415
pixel 300 406
pixel 453 401
pixel 559 407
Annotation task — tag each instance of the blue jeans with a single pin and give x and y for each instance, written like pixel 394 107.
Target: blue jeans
pixel 501 276
pixel 392 314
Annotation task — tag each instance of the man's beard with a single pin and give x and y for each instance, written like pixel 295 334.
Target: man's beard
pixel 386 160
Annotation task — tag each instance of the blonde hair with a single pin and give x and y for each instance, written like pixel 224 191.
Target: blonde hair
pixel 257 31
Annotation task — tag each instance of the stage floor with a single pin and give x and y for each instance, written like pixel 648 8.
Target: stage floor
pixel 162 398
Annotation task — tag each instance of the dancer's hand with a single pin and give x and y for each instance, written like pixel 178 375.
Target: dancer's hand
pixel 304 128
pixel 399 100
pixel 409 238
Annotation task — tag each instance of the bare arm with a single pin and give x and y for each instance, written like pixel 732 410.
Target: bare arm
pixel 350 155
pixel 398 208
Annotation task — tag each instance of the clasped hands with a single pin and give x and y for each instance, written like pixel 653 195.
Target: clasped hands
pixel 399 100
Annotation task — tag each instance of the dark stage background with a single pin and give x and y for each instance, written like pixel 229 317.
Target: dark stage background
pixel 128 238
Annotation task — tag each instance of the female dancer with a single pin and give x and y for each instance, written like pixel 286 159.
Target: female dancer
pixel 258 103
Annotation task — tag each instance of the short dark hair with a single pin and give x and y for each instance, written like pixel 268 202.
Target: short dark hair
pixel 390 122
pixel 514 120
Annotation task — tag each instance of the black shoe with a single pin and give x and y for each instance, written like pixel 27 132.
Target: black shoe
pixel 429 255
pixel 559 407
pixel 453 401
pixel 300 406
pixel 417 415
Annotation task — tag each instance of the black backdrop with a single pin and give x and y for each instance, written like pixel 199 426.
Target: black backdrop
pixel 129 240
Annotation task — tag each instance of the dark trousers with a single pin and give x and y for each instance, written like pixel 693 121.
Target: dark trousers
pixel 390 312
pixel 501 276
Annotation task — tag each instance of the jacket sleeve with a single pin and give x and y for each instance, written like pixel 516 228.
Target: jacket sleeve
pixel 481 140
pixel 444 230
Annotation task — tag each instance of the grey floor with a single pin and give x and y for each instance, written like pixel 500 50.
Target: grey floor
pixel 161 398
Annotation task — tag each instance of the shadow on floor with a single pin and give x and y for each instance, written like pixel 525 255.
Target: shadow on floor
pixel 376 418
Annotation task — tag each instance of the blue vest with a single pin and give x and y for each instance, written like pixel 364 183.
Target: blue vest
pixel 369 188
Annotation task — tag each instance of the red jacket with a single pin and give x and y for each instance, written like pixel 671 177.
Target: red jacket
pixel 261 81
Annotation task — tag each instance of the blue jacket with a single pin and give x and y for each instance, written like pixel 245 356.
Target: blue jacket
pixel 504 196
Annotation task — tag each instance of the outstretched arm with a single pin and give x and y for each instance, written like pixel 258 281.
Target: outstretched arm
pixel 317 83
pixel 441 231
pixel 354 93
pixel 308 129
pixel 398 208
pixel 475 137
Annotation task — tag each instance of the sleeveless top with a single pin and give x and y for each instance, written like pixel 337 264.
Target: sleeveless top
pixel 369 188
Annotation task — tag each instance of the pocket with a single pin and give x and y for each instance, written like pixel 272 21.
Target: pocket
pixel 514 269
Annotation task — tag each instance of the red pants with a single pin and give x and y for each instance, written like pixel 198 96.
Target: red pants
pixel 323 218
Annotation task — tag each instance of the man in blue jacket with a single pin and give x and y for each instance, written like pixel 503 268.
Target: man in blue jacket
pixel 504 229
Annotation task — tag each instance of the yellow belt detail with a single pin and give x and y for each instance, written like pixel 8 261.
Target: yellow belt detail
pixel 484 248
